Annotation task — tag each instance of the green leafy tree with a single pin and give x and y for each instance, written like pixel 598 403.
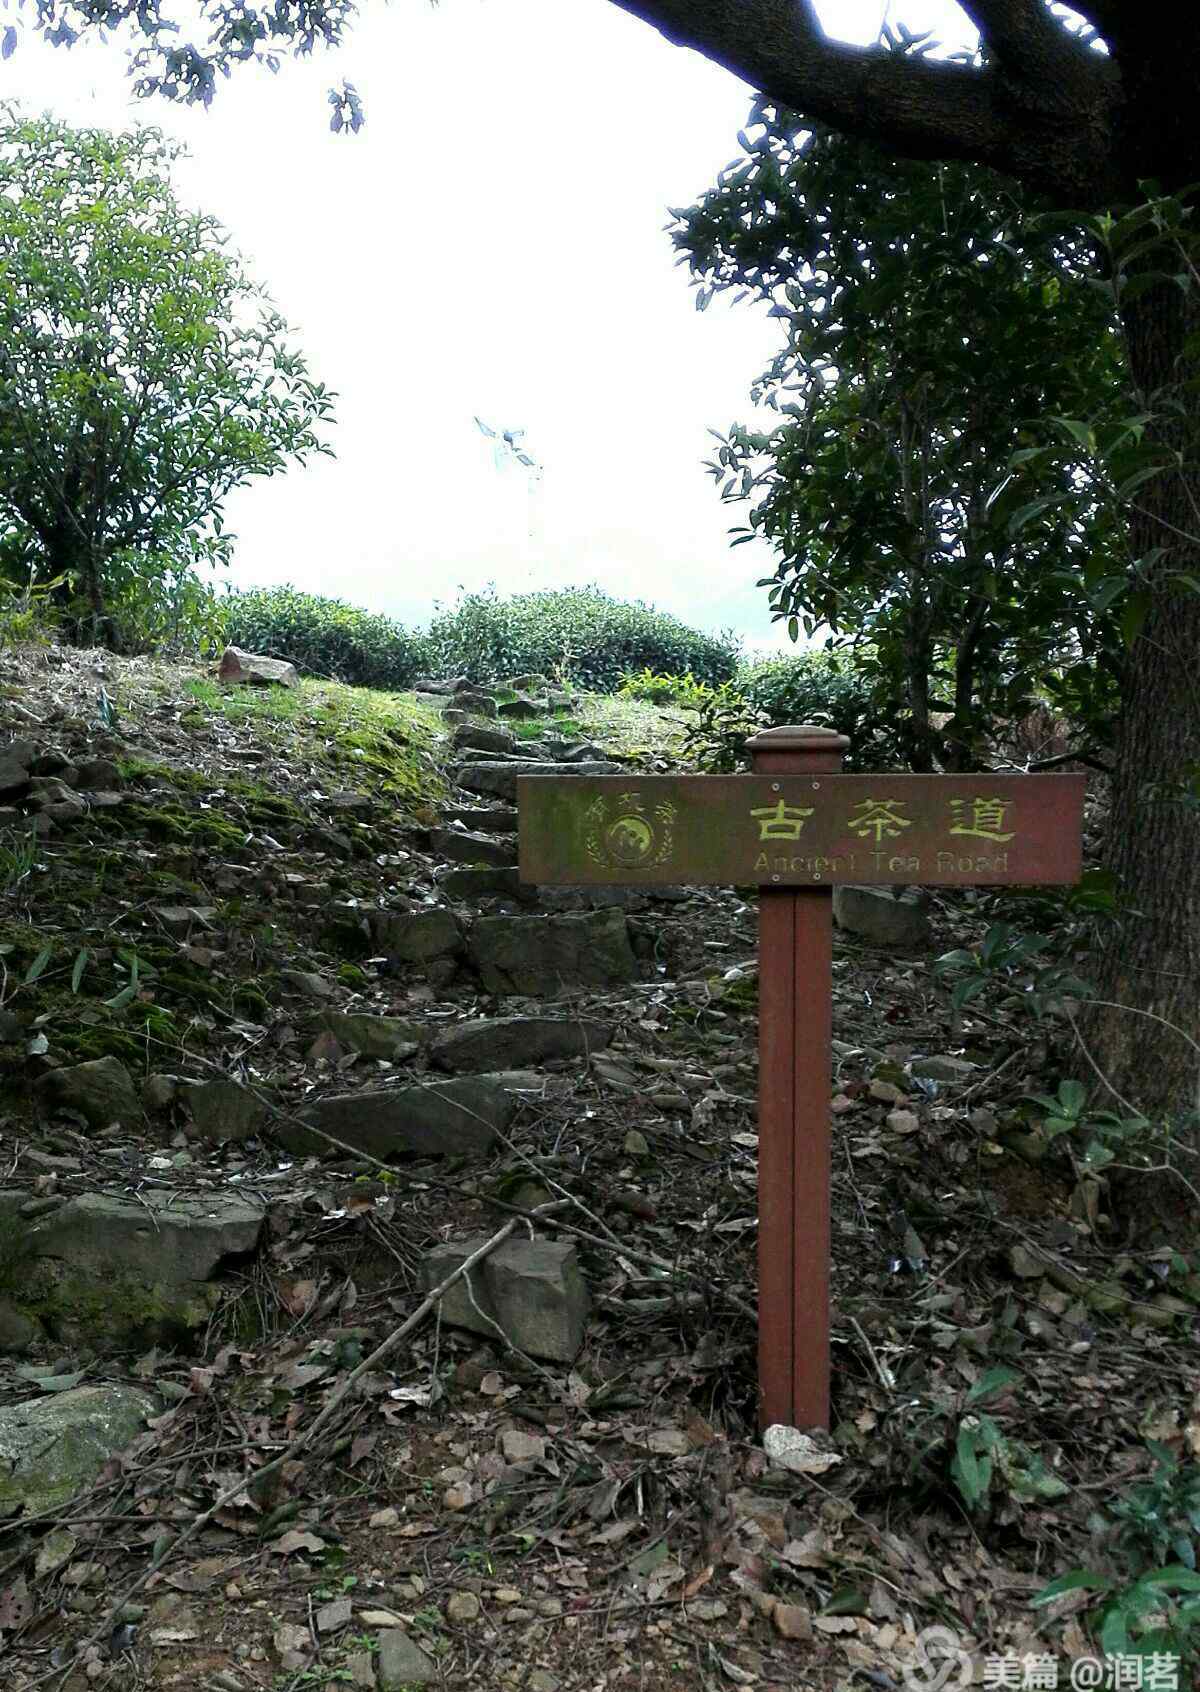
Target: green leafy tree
pixel 1086 130
pixel 935 332
pixel 143 376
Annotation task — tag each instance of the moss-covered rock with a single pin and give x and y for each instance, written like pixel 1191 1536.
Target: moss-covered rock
pixel 54 1447
pixel 101 1091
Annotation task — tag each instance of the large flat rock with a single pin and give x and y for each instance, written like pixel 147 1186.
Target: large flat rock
pixel 546 956
pixel 109 1271
pixel 513 1042
pixel 459 1117
pixel 54 1447
pixel 166 1238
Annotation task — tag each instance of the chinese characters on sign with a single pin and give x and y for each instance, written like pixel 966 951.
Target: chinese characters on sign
pixel 876 821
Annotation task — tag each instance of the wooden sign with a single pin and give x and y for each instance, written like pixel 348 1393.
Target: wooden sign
pixel 743 830
pixel 796 827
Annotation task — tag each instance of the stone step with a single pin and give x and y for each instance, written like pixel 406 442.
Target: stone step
pixel 546 956
pixel 498 777
pixel 461 847
pixel 494 819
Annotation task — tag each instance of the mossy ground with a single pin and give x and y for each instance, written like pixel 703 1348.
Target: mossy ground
pixel 219 785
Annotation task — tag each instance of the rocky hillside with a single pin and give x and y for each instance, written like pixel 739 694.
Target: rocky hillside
pixel 285 1041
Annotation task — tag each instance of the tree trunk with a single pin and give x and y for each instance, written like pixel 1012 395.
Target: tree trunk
pixel 1151 963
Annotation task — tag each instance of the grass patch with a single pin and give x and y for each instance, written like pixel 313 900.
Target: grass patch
pixel 375 742
pixel 633 728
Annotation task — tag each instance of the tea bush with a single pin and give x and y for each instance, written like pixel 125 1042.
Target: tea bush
pixel 578 635
pixel 326 637
pixel 821 687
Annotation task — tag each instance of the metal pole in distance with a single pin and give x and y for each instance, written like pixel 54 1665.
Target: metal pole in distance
pixel 795 989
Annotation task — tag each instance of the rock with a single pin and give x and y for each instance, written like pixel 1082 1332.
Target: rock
pixel 102 1091
pixel 793 1621
pixel 109 1272
pixel 16 762
pixel 463 1607
pixel 180 918
pixel 417 937
pixel 475 704
pixel 165 1239
pixel 428 684
pixel 532 1291
pixel 158 1091
pixel 359 1668
pixel 522 709
pixel 331 841
pixel 402 1663
pixel 496 819
pixel 557 899
pixel 224 1112
pixel 499 777
pixel 876 915
pixel 511 1042
pixel 54 1447
pixel 523 684
pixel 446 1118
pixel 463 848
pixel 519 1447
pixel 486 884
pixel 17 1330
pixel 454 718
pixel 45 791
pixel 304 981
pixel 257 670
pixel 476 738
pixel 942 1069
pixel 389 1037
pixel 98 775
pixel 573 751
pixel 542 957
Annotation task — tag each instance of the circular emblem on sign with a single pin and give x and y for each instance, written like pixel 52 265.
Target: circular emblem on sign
pixel 624 833
pixel 630 840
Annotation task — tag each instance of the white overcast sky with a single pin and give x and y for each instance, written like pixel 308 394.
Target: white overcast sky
pixel 492 242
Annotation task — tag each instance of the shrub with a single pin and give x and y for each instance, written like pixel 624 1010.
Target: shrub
pixel 327 637
pixel 661 689
pixel 821 687
pixel 581 635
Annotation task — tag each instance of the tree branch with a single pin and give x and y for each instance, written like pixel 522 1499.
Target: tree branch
pixel 1046 118
pixel 1024 33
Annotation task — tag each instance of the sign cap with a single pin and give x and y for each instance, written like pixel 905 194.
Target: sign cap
pixel 798 737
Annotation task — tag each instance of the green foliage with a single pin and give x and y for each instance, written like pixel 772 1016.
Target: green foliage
pixel 143 377
pixel 658 688
pixel 956 1442
pixel 326 637
pixel 1096 1136
pixel 18 855
pixel 489 638
pixel 27 613
pixel 725 720
pixel 892 487
pixel 827 688
pixel 1013 960
pixel 1155 1610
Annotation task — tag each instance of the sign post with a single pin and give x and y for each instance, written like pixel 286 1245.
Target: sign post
pixel 796 827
